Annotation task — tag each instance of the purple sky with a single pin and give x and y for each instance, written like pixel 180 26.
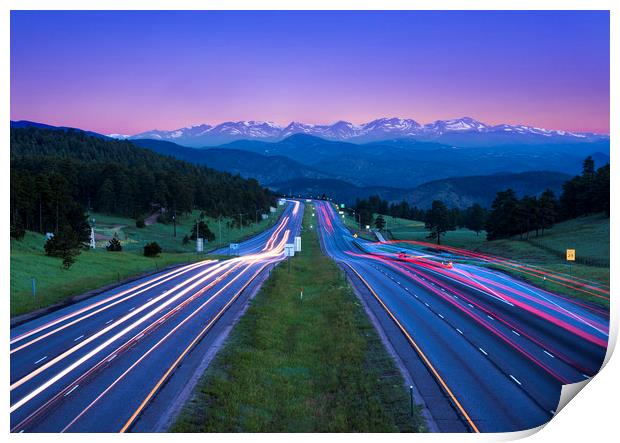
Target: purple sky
pixel 126 72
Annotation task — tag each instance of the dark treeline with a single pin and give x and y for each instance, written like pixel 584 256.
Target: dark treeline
pixel 57 175
pixel 509 215
pixel 472 218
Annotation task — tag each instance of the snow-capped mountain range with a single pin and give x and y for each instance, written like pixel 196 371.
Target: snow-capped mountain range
pixel 452 131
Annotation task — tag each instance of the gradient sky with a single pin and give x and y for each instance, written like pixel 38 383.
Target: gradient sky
pixel 126 72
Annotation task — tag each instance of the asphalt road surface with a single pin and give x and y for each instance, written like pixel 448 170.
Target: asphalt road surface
pixel 487 352
pixel 100 365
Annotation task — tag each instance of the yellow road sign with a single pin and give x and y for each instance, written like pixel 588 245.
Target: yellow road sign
pixel 570 254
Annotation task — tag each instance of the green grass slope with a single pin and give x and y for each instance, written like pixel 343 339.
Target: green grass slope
pixel 96 268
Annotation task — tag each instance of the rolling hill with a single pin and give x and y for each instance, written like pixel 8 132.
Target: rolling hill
pixel 265 169
pixel 458 192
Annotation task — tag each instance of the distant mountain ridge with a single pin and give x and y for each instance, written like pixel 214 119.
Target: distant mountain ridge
pixel 461 131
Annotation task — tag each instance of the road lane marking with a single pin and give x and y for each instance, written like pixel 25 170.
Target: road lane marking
pixel 155 282
pixel 109 321
pixel 421 354
pixel 40 360
pixel 205 276
pixel 440 316
pixel 459 331
pixel 516 333
pixel 490 317
pixel 548 353
pixel 132 309
pixel 514 378
pixel 483 351
pixel 196 339
pixel 79 338
pixel 71 390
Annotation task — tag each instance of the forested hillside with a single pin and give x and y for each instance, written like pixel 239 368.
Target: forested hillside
pixel 55 175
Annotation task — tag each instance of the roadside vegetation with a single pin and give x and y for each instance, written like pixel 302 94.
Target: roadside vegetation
pixel 302 365
pixel 100 267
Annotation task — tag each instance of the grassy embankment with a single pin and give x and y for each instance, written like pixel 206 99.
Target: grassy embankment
pixel 96 268
pixel 311 365
pixel 354 226
pixel 588 235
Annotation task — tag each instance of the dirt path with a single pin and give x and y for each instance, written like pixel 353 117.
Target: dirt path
pixel 152 219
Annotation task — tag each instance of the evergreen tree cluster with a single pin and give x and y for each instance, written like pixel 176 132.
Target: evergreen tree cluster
pixel 509 215
pixel 57 175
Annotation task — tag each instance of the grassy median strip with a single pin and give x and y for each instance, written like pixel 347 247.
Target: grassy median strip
pixel 293 365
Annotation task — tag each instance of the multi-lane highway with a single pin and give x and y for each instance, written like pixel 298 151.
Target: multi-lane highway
pixel 486 352
pixel 100 365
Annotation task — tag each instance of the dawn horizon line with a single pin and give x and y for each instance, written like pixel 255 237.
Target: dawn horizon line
pixel 292 121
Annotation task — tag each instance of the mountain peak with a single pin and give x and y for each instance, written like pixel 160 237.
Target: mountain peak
pixel 449 131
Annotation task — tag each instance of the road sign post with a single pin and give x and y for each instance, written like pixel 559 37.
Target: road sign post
pixel 289 251
pixel 411 398
pixel 297 244
pixel 570 257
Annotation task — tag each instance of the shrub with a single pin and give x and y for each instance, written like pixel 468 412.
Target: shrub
pixel 114 245
pixel 140 222
pixel 186 240
pixel 152 249
pixel 203 231
pixel 65 244
pixel 17 232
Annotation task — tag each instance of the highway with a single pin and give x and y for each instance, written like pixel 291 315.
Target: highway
pixel 110 362
pixel 486 352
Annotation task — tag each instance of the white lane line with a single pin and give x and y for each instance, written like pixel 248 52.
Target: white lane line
pixel 459 331
pixel 406 289
pixel 132 309
pixel 490 317
pixel 517 381
pixel 150 299
pixel 71 390
pixel 109 321
pixel 79 338
pixel 516 333
pixel 585 376
pixel 427 305
pixel 40 360
pixel 549 354
pixel 470 305
pixel 485 353
pixel 112 358
pixel 440 316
